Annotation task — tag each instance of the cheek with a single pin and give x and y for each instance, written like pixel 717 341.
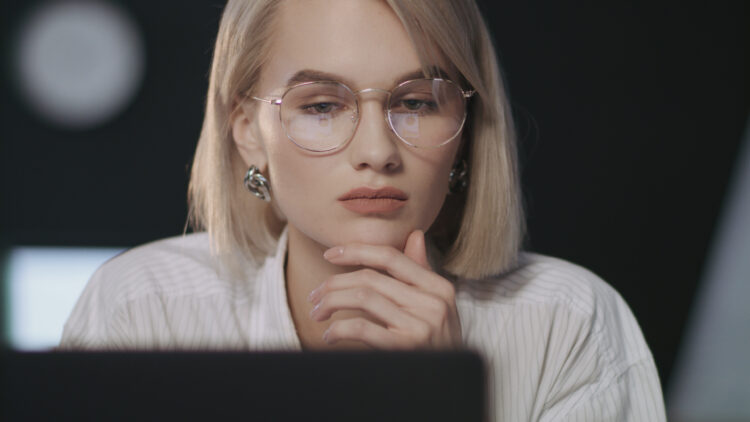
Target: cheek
pixel 297 180
pixel 293 173
pixel 285 164
pixel 429 179
pixel 435 191
pixel 439 167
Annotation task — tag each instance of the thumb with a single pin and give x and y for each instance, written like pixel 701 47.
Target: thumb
pixel 415 248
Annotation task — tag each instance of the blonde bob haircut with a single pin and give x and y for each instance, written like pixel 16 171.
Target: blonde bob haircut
pixel 478 232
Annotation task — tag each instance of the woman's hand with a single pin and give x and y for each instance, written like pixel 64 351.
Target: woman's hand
pixel 416 306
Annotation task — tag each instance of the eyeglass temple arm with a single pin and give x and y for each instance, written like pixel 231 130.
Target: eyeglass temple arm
pixel 274 101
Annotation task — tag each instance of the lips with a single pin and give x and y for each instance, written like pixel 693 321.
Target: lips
pixel 368 193
pixel 367 200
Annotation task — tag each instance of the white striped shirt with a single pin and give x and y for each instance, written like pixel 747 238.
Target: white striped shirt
pixel 559 343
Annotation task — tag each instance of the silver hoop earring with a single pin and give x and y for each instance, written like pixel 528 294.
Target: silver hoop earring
pixel 257 184
pixel 458 179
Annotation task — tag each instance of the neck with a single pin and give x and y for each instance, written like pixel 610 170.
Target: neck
pixel 305 267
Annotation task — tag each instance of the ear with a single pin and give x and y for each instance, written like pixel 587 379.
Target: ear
pixel 246 135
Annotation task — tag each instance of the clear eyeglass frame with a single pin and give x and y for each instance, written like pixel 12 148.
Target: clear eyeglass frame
pixel 465 95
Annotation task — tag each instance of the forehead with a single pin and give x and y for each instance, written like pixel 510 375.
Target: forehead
pixel 363 41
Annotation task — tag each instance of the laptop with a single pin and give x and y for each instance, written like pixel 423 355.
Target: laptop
pixel 311 386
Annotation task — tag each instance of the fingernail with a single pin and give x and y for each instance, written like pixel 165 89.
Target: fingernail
pixel 312 313
pixel 333 252
pixel 311 296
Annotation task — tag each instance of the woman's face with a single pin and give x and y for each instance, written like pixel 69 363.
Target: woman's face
pixel 364 45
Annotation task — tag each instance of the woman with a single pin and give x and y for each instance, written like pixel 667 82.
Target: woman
pixel 357 127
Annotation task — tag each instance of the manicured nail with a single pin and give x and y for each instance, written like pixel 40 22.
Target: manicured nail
pixel 311 296
pixel 312 313
pixel 333 252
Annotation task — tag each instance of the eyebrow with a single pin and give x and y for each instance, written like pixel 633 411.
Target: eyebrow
pixel 310 75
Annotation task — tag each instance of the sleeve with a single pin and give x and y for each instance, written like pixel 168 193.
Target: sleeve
pixel 635 395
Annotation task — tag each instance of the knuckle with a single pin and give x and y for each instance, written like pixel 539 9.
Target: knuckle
pixel 441 307
pixel 358 325
pixel 438 312
pixel 392 254
pixel 335 329
pixel 330 284
pixel 368 273
pixel 363 294
pixel 325 285
pixel 334 280
pixel 423 332
pixel 437 306
pixel 448 291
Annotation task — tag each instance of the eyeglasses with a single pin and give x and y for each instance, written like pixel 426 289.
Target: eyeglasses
pixel 322 116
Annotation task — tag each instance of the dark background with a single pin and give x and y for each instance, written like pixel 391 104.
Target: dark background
pixel 629 118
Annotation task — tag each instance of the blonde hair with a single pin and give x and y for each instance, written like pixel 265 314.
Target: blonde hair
pixel 478 232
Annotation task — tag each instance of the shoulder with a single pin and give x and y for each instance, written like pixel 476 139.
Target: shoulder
pixel 552 299
pixel 176 266
pixel 569 336
pixel 542 280
pixel 146 295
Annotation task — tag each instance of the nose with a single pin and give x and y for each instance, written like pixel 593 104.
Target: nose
pixel 373 145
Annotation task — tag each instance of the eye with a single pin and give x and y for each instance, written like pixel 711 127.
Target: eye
pixel 413 104
pixel 323 107
pixel 422 105
pixel 320 107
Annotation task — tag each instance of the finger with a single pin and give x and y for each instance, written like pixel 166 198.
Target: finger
pixel 401 294
pixel 417 303
pixel 360 329
pixel 394 262
pixel 415 248
pixel 367 300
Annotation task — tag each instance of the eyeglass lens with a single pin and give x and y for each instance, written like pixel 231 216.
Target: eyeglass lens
pixel 321 116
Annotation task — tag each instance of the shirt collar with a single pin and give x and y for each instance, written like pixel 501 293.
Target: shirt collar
pixel 279 330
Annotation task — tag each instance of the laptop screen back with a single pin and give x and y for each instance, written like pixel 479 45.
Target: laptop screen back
pixel 355 386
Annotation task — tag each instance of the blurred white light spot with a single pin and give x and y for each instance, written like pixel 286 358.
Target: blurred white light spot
pixel 43 285
pixel 78 63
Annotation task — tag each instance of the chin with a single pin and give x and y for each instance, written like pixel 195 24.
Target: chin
pixel 377 232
